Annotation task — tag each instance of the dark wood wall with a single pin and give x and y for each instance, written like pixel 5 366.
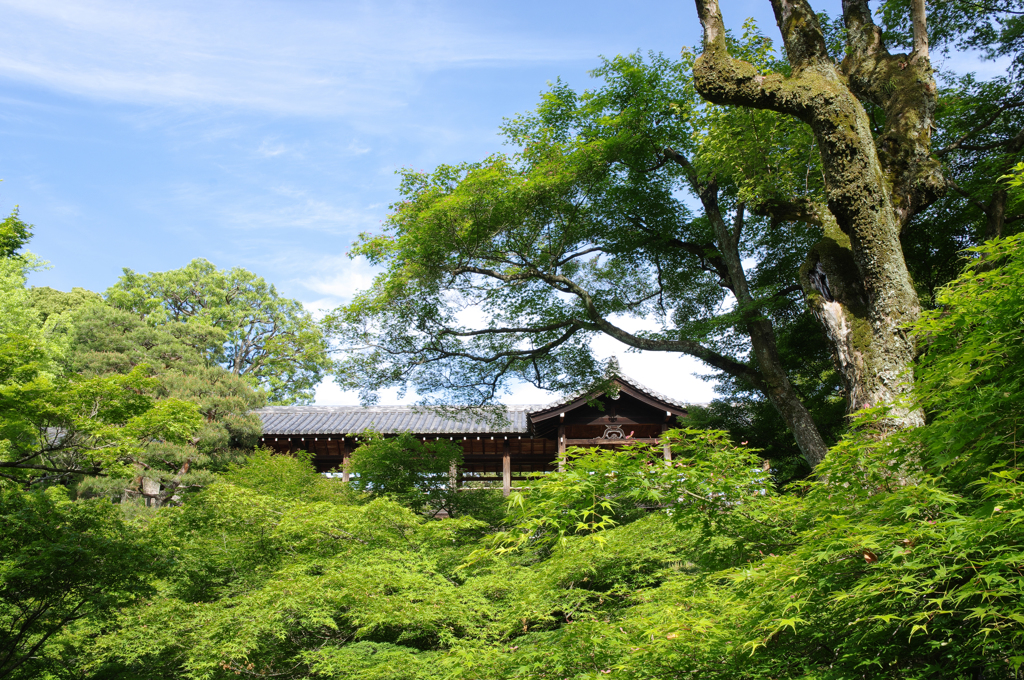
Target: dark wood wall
pixel 481 455
pixel 328 452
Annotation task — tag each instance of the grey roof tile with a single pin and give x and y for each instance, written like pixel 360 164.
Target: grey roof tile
pixel 314 420
pixel 338 420
pixel 625 379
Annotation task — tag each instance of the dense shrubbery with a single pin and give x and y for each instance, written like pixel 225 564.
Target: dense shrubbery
pixel 417 474
pixel 900 558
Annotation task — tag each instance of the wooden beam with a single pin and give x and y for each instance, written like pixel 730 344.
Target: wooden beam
pixel 506 470
pixel 605 442
pixel 344 461
pixel 561 445
pixel 561 409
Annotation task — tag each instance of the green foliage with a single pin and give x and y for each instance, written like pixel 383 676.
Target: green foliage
pixel 290 477
pixel 970 372
pixel 269 340
pixel 57 429
pixel 110 340
pixel 19 320
pixel 106 341
pixel 61 562
pixel 56 425
pixel 599 489
pixel 51 302
pixel 265 582
pixel 284 586
pixel 1016 177
pixel 14 234
pixel 417 474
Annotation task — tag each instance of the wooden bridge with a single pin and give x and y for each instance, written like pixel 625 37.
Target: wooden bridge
pixel 505 446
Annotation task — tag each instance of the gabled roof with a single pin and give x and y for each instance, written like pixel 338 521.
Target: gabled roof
pixel 341 420
pixel 625 384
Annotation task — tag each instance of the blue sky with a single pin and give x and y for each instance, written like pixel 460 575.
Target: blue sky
pixel 265 134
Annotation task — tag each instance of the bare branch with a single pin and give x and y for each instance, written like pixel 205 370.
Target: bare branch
pixel 580 253
pixel 966 194
pixel 496 331
pixel 919 19
pixel 959 143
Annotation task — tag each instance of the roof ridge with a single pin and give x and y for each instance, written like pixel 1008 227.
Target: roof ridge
pixel 410 407
pixel 613 371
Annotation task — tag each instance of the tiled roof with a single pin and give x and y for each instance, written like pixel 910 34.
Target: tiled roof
pixel 314 420
pixel 303 420
pixel 624 379
pixel 653 394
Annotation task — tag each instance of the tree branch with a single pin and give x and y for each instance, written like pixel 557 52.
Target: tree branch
pixel 801 33
pixel 959 143
pixel 918 17
pixel 796 210
pixel 527 329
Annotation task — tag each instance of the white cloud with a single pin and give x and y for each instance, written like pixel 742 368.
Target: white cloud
pixel 277 208
pixel 282 57
pixel 270 148
pixel 338 278
pixel 357 149
pixel 329 394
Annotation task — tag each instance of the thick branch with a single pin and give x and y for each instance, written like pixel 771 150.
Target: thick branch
pixel 599 322
pixel 526 353
pixel 904 87
pixel 496 331
pixel 723 80
pixel 797 210
pixel 919 19
pixel 801 33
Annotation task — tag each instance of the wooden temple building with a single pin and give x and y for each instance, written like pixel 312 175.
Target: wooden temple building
pixel 531 438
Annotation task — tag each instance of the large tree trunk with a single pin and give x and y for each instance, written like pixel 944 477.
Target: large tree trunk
pixel 856 278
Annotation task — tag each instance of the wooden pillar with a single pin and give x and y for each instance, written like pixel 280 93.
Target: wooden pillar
pixel 453 476
pixel 561 442
pixel 506 469
pixel 665 448
pixel 344 461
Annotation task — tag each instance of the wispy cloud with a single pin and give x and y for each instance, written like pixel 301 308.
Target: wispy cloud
pixel 357 149
pixel 338 278
pixel 265 55
pixel 270 148
pixel 278 209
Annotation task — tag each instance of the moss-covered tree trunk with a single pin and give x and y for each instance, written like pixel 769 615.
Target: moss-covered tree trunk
pixel 856 278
